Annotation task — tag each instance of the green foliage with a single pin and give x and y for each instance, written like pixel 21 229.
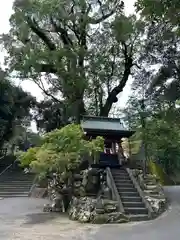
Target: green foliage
pixel 161 134
pixel 15 105
pixel 49 115
pixel 160 10
pixel 27 157
pixel 22 139
pixel 84 66
pixel 163 139
pixel 157 170
pixel 62 151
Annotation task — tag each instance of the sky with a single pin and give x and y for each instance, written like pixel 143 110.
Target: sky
pixel 5 12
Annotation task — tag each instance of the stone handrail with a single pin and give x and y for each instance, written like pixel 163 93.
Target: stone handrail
pixel 6 169
pixel 111 184
pixel 141 193
pixel 33 185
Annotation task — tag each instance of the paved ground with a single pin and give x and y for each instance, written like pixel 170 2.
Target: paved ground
pixel 22 219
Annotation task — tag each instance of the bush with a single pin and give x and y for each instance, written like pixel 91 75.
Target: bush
pixel 61 151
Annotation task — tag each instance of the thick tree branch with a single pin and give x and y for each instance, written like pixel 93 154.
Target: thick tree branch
pixel 117 5
pixel 47 68
pixel 111 74
pixel 112 97
pixel 64 34
pixel 41 86
pixel 39 32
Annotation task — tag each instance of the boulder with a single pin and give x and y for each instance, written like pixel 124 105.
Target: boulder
pixel 81 209
pixel 116 217
pixel 79 191
pixel 91 180
pixel 153 190
pixel 92 210
pixel 158 205
pixel 106 191
pixel 110 206
pixel 78 177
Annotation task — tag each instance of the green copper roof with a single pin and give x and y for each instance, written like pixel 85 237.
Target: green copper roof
pixel 102 123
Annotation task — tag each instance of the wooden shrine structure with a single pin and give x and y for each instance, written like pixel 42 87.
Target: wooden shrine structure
pixel 112 130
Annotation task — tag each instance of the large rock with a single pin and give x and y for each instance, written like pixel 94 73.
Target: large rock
pixel 158 205
pixel 153 191
pixel 91 180
pixel 57 204
pixel 92 210
pixel 116 217
pixel 81 209
pixel 106 191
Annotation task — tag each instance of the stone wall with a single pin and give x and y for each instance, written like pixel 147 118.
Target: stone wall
pixel 153 191
pixel 85 183
pixel 98 211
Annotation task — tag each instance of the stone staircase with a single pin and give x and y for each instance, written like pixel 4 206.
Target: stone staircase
pixel 131 200
pixel 15 183
pixel 108 160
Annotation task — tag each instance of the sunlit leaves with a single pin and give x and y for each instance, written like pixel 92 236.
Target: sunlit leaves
pixel 74 41
pixel 160 10
pixel 62 150
pixel 123 27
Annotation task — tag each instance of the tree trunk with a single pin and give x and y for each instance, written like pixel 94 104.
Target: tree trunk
pixel 112 97
pixel 79 110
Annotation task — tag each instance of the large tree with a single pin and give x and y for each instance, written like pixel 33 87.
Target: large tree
pixel 80 53
pixel 15 105
pixel 159 76
pixel 161 10
pixel 49 115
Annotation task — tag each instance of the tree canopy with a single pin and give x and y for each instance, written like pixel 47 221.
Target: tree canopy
pixel 61 151
pixel 15 105
pixel 80 53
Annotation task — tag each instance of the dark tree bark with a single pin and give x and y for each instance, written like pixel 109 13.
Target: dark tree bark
pixel 112 97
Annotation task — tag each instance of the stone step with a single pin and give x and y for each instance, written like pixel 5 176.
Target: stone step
pixel 16 180
pixel 151 187
pixel 127 194
pixel 121 178
pixel 13 195
pixel 124 185
pixel 150 182
pixel 151 192
pixel 131 198
pixel 2 194
pixel 136 210
pixel 133 204
pixel 24 176
pixel 120 174
pixel 15 187
pixel 138 217
pixel 118 171
pixel 19 177
pixel 122 181
pixel 128 186
pixel 15 184
pixel 124 190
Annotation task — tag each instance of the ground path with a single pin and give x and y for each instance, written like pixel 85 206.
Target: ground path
pixel 23 219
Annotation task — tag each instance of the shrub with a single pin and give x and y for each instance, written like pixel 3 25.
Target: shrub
pixel 61 151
